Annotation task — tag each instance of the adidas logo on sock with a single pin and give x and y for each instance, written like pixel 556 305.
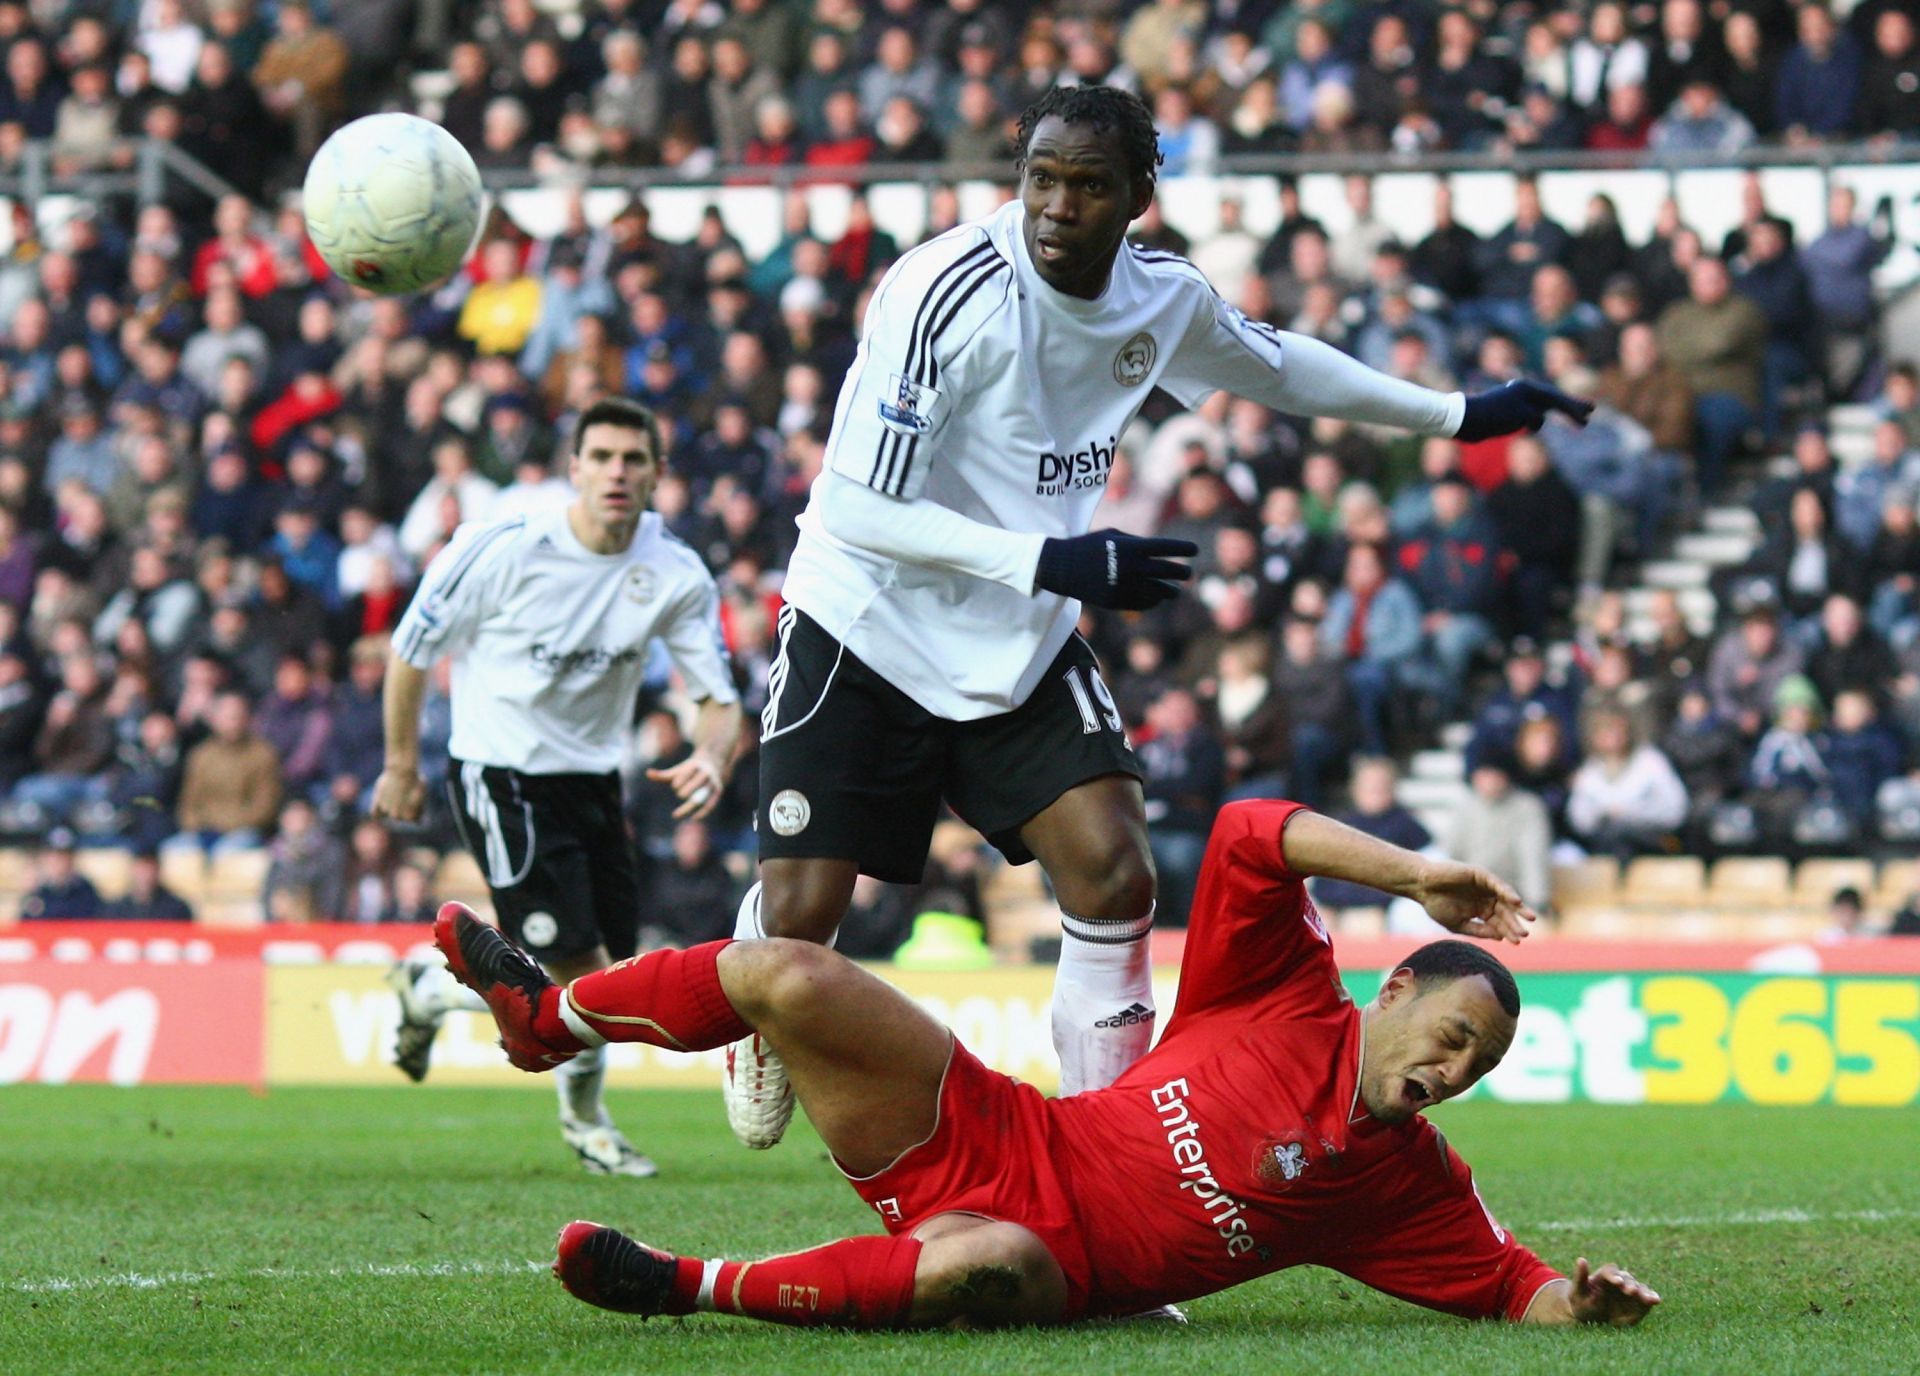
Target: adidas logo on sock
pixel 1131 1016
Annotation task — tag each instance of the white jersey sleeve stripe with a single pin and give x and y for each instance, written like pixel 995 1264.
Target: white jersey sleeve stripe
pixel 926 370
pixel 428 619
pixel 890 444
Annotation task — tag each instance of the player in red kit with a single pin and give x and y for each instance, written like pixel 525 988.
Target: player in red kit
pixel 1276 1124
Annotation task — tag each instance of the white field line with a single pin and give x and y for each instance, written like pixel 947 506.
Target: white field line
pixel 134 1280
pixel 1750 1218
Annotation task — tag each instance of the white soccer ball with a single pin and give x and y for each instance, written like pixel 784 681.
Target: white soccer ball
pixel 393 203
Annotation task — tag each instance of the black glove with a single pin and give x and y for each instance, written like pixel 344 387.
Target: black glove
pixel 1110 568
pixel 1520 405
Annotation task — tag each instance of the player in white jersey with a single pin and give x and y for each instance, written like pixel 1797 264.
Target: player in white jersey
pixel 928 652
pixel 548 617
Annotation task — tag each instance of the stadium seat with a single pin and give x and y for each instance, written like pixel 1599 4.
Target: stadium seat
pixel 1592 882
pixel 185 872
pixel 459 876
pixel 1751 883
pixel 16 870
pixel 240 874
pixel 1899 880
pixel 107 869
pixel 1816 881
pixel 1665 881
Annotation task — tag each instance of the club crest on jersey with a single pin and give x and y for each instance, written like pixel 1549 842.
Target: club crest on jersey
pixel 789 812
pixel 907 409
pixel 1135 360
pixel 641 584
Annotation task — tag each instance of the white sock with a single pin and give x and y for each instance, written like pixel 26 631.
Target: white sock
pixel 579 1082
pixel 746 922
pixel 1102 999
pixel 442 993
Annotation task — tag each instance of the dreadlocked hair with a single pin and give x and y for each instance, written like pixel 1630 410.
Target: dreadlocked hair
pixel 1105 108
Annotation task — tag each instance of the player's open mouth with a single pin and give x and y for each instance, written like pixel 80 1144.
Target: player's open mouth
pixel 1051 250
pixel 1418 1094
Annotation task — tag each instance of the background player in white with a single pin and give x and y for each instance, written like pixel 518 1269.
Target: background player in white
pixel 928 652
pixel 548 617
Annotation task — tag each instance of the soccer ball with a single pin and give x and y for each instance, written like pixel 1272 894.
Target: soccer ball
pixel 393 203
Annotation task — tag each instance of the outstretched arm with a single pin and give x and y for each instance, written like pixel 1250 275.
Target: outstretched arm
pixel 1461 898
pixel 1107 568
pixel 1607 1294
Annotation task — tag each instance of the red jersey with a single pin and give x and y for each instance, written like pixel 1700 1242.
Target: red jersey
pixel 1239 1145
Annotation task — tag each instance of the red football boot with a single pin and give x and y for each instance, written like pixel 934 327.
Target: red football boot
pixel 505 976
pixel 607 1268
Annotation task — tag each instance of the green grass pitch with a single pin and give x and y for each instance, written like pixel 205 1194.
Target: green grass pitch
pixel 403 1231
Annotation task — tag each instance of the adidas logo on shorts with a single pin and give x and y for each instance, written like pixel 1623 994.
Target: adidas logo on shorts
pixel 1128 1017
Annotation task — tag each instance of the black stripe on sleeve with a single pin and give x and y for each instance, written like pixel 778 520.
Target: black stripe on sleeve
pixel 929 372
pixel 891 443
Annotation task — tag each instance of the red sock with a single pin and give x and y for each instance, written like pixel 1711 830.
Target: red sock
pixel 664 998
pixel 859 1282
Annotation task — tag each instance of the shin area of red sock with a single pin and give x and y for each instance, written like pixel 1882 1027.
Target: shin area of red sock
pixel 663 998
pixel 859 1282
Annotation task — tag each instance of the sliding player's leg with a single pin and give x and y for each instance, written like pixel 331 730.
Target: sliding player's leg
pixel 1092 841
pixel 953 1269
pixel 865 1060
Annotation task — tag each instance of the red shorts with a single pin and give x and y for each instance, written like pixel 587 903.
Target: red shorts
pixel 991 1154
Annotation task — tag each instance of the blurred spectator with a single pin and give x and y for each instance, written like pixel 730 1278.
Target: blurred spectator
pixel 1788 769
pixel 690 896
pixel 231 790
pixel 1525 694
pixel 1626 799
pixel 302 75
pixel 1819 80
pixel 1373 626
pixel 307 878
pixel 1186 775
pixel 73 746
pixel 1839 266
pixel 372 864
pixel 1771 277
pixel 1846 910
pixel 1718 342
pixel 1709 754
pixel 1890 81
pixel 1700 120
pixel 1453 565
pixel 1749 662
pixel 147 899
pixel 1506 831
pixel 1311 684
pixel 1252 721
pixel 1375 812
pixel 1860 753
pixel 60 891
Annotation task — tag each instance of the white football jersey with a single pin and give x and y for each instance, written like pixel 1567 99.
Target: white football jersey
pixel 549 640
pixel 980 387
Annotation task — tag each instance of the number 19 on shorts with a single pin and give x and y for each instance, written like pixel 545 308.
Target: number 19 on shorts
pixel 1096 707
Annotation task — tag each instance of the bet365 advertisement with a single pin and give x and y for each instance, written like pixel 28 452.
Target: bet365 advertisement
pixel 1611 1024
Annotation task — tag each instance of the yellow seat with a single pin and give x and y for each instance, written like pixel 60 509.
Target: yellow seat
pixel 1752 883
pixel 1665 880
pixel 458 875
pixel 185 872
pixel 1589 883
pixel 106 869
pixel 16 870
pixel 1899 881
pixel 240 874
pixel 1816 881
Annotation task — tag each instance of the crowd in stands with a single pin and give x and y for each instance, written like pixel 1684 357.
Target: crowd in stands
pixel 221 472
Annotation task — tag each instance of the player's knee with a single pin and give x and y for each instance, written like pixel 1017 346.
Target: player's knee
pixel 991 1276
pixel 1116 881
pixel 792 975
